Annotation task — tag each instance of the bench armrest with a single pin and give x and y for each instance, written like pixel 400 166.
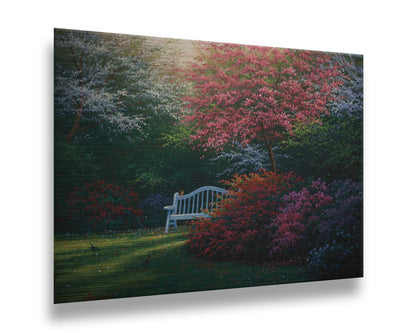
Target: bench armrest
pixel 169 207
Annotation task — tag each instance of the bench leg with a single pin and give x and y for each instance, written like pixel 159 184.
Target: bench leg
pixel 167 223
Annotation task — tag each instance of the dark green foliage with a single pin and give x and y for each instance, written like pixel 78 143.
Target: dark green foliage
pixel 74 165
pixel 166 163
pixel 332 148
pixel 330 151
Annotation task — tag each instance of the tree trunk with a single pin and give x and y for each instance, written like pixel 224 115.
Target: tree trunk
pixel 74 128
pixel 269 146
pixel 75 124
pixel 271 156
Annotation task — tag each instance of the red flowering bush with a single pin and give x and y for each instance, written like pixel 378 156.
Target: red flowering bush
pixel 240 226
pixel 98 206
pixel 268 217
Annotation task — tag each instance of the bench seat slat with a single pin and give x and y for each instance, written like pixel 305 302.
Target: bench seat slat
pixel 187 216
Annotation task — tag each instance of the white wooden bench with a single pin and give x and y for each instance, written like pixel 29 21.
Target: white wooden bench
pixel 192 205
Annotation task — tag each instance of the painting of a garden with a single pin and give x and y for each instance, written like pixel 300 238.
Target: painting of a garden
pixel 184 166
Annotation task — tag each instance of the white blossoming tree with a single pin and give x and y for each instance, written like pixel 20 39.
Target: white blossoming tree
pixel 106 81
pixel 349 102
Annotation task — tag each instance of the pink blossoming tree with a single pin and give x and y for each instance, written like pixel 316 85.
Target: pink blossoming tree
pixel 255 94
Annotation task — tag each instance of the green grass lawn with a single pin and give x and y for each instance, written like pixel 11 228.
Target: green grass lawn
pixel 117 268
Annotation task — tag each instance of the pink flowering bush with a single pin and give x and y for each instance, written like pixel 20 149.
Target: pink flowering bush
pixel 294 226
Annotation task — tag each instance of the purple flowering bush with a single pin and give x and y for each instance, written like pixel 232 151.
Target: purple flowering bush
pixel 339 249
pixel 152 207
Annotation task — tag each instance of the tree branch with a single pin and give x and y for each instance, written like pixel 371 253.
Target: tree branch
pixel 111 76
pixel 91 126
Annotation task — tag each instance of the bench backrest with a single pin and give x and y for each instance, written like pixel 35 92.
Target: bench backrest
pixel 197 201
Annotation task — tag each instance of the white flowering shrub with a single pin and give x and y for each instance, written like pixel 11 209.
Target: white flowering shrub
pixel 244 159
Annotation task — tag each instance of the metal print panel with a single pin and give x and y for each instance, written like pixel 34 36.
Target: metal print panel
pixel 185 166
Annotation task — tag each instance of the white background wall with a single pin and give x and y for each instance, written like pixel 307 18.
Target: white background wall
pixel 384 32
